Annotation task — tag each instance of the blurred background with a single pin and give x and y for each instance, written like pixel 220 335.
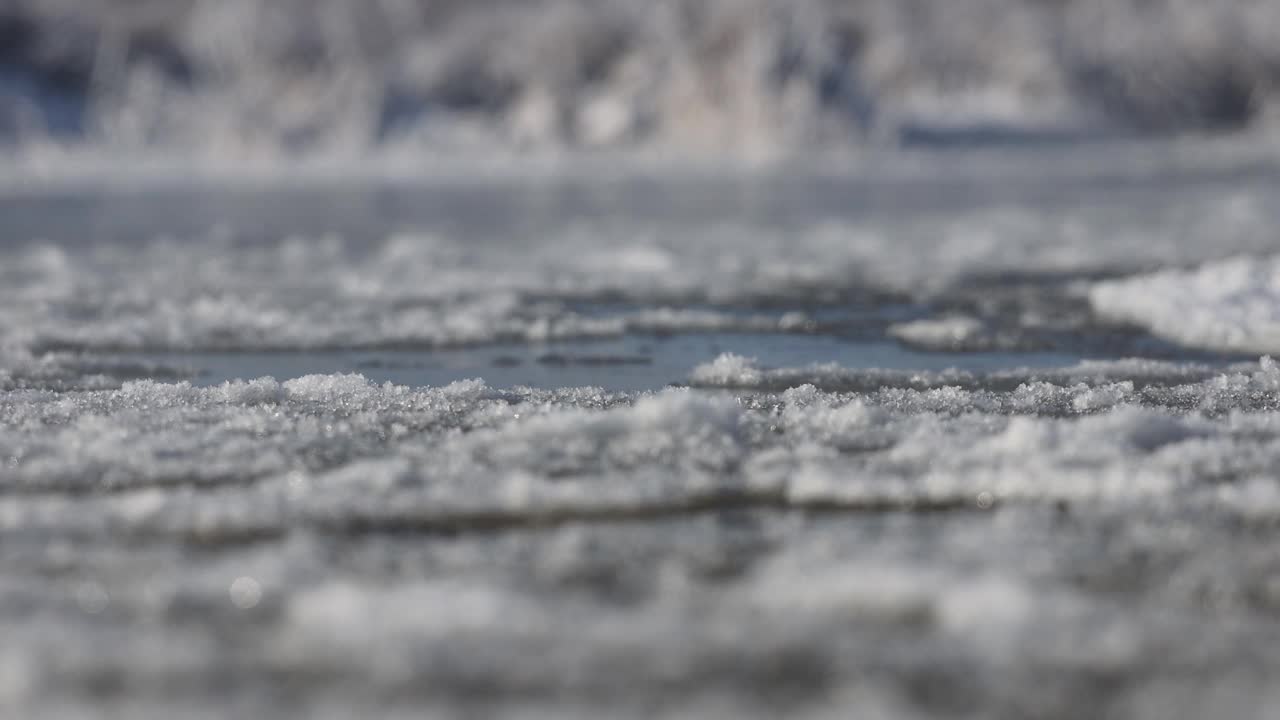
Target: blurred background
pixel 227 80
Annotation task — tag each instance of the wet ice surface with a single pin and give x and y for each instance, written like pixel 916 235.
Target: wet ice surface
pixel 928 453
pixel 630 363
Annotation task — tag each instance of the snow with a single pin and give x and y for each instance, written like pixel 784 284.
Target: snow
pixel 1229 305
pixel 300 489
pixel 1088 381
pixel 955 332
pixel 359 451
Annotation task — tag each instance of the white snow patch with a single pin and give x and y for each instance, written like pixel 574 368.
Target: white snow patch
pixel 955 331
pixel 1230 305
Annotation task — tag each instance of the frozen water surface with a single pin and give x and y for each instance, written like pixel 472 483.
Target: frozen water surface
pixel 963 438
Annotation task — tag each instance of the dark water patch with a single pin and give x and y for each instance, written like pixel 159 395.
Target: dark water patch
pixel 584 360
pixel 630 363
pixel 443 521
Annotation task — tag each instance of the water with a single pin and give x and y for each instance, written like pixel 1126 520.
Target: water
pixel 628 364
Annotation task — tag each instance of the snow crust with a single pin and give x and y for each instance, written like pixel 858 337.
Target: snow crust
pixel 336 449
pixel 362 539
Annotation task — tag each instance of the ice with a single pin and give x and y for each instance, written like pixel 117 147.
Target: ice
pixel 1091 380
pixel 728 370
pixel 340 450
pixel 672 547
pixel 388 535
pixel 1229 305
pixel 956 481
pixel 955 332
pixel 414 292
pixel 588 265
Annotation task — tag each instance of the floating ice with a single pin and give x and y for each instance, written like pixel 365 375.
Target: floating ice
pixel 1232 305
pixel 413 292
pixel 957 332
